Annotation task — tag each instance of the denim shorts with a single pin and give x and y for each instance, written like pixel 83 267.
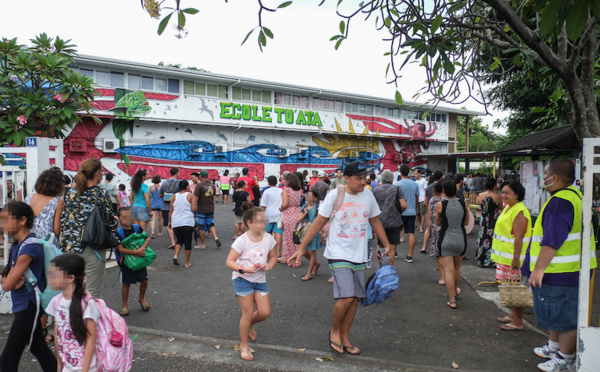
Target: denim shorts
pixel 243 287
pixel 140 213
pixel 273 227
pixel 555 307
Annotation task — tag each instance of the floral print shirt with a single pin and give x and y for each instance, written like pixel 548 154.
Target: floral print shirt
pixel 75 214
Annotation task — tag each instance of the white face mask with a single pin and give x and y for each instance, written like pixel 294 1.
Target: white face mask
pixel 546 179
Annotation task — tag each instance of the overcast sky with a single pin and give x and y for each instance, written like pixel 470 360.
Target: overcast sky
pixel 300 52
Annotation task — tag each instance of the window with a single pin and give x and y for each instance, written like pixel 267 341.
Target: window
pixel 160 84
pixel 147 83
pixel 86 72
pixel 290 100
pixel 436 117
pixel 117 79
pixel 188 87
pixel 173 86
pixel 266 97
pixel 102 77
pixel 246 94
pixel 223 89
pixel 134 81
pixel 200 89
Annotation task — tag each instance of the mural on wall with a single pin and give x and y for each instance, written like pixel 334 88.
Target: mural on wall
pixel 324 140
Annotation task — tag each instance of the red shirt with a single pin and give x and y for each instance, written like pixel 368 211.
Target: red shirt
pixel 250 183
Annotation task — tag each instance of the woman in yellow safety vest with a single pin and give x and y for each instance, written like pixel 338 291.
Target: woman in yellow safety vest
pixel 511 237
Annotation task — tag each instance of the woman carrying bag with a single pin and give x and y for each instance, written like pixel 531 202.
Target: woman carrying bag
pixel 511 233
pixel 86 200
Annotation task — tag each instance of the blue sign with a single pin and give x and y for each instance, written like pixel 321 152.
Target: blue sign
pixel 31 142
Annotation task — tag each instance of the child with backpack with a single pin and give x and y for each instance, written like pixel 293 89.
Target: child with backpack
pixel 129 276
pixel 89 335
pixel 125 202
pixel 251 255
pixel 16 219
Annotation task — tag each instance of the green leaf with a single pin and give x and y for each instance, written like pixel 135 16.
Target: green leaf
pixel 268 32
pixel 495 64
pixel 335 37
pixel 387 22
pixel 398 98
pixel 190 11
pixel 342 27
pixel 284 5
pixel 247 36
pixel 436 23
pixel 163 24
pixel 337 44
pixel 457 6
pixel 262 39
pixel 576 19
pixel 595 7
pixel 181 19
pixel 549 19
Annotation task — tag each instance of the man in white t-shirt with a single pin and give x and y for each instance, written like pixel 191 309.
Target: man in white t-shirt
pixel 421 208
pixel 270 203
pixel 346 251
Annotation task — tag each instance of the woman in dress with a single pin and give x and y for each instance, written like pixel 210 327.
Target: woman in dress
pixel 513 229
pixel 156 204
pixel 181 220
pixel 451 215
pixel 290 206
pixel 491 206
pixel 141 209
pixel 438 196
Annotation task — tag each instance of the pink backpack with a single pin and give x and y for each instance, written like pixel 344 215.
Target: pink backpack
pixel 114 349
pixel 337 204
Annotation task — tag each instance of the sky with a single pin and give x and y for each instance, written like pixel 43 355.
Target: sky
pixel 300 52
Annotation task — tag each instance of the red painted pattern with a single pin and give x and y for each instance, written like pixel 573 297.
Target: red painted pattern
pixel 155 96
pixel 163 168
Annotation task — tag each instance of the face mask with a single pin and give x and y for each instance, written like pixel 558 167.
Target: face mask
pixel 546 179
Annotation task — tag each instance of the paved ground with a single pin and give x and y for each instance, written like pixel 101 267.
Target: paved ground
pixel 192 324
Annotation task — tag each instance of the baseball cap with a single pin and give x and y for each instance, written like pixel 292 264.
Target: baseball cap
pixel 204 173
pixel 315 171
pixel 354 168
pixel 322 173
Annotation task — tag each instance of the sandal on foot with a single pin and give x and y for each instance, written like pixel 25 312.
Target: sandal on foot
pixel 218 241
pixel 306 278
pixel 316 269
pixel 252 335
pixel 123 312
pixel 175 262
pixel 145 305
pixel 330 280
pixel 458 292
pixel 248 355
pixel 172 246
pixel 187 265
pixel 352 350
pixel 511 327
pixel 332 344
pixel 505 320
pixel 281 260
pixel 423 251
pixel 46 334
pixel 450 305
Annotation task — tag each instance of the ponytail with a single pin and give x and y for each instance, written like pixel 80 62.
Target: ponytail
pixel 87 171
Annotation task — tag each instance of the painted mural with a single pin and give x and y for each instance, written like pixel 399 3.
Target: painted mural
pixel 160 131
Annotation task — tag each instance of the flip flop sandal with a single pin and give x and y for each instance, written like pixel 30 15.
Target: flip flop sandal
pixel 332 344
pixel 175 262
pixel 146 306
pixel 247 352
pixel 505 320
pixel 252 339
pixel 510 327
pixel 124 313
pixel 348 348
pixel 316 269
pixel 218 241
pixel 152 237
pixel 171 247
pixel 458 292
pixel 450 303
pixel 306 278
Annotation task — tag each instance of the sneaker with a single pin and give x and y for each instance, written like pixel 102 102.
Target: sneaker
pixel 557 364
pixel 544 352
pixel 396 255
pixel 408 259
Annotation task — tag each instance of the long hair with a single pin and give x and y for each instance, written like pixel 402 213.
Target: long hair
pixel 74 264
pixel 87 171
pixel 136 181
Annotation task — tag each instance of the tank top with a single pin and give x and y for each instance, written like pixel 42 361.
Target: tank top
pixel 155 199
pixel 182 211
pixel 224 182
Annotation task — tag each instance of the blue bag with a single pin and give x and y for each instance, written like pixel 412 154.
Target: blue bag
pixel 381 285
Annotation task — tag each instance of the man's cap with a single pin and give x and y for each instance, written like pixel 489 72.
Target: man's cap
pixel 322 173
pixel 195 174
pixel 204 173
pixel 354 168
pixel 315 171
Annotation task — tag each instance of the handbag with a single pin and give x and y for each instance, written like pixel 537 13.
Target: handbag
pixel 279 222
pixel 133 242
pixel 514 294
pixel 97 233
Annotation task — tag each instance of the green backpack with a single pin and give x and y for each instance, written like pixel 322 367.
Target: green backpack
pixel 135 241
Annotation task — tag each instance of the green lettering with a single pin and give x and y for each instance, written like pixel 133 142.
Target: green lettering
pixel 289 116
pixel 301 119
pixel 255 116
pixel 309 117
pixel 246 112
pixel 318 120
pixel 266 114
pixel 236 107
pixel 279 112
pixel 225 114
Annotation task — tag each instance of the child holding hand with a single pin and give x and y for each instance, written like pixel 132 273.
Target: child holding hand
pixel 251 255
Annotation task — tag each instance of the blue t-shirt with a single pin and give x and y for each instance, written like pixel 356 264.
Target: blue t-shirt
pixel 410 189
pixel 21 297
pixel 140 198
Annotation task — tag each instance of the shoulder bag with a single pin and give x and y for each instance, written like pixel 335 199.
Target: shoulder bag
pixel 97 233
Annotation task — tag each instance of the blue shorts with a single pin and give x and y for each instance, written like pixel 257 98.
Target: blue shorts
pixel 205 220
pixel 140 213
pixel 555 307
pixel 409 224
pixel 273 227
pixel 243 287
pixel 129 276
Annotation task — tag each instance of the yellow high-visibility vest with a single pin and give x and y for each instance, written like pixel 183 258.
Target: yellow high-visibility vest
pixel 503 245
pixel 567 257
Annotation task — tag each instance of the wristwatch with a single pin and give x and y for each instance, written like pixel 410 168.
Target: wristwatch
pixel 241 269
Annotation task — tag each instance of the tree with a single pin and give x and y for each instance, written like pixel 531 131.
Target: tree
pixel 480 137
pixel 448 37
pixel 39 94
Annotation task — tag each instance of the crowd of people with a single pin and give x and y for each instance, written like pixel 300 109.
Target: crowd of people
pixel 361 212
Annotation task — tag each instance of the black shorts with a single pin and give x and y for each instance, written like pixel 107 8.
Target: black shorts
pixel 165 217
pixel 225 192
pixel 393 235
pixel 184 235
pixel 409 224
pixel 129 276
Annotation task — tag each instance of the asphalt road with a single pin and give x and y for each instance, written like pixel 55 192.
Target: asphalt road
pixel 193 318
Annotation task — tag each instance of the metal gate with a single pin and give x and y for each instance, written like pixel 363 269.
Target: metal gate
pixel 13 187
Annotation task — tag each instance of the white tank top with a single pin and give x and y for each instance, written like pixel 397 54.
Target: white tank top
pixel 182 211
